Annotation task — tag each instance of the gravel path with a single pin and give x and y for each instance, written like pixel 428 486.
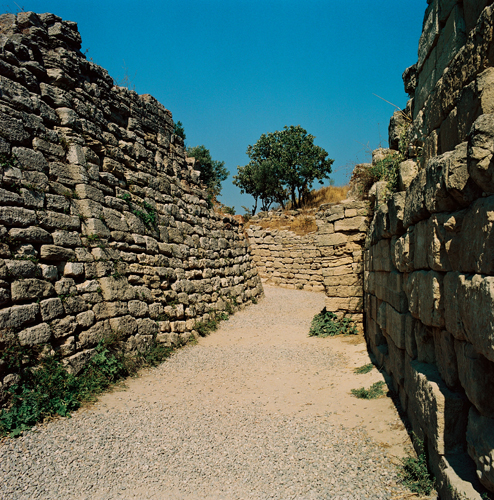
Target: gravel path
pixel 245 414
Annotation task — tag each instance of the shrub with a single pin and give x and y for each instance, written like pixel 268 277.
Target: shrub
pixel 326 324
pixel 364 369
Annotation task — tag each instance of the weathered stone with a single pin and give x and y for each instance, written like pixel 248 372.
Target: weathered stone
pixel 469 310
pixel 30 235
pixel 31 288
pixel 116 289
pixel 99 331
pixel 425 295
pixel 73 269
pixel 53 252
pixel 476 374
pixel 407 172
pixel 15 216
pixel 480 439
pixel 137 308
pixel 38 334
pixel 85 319
pixel 20 268
pixel 76 363
pixel 440 413
pixel 147 326
pixel 51 309
pixel 106 310
pixel 63 327
pixel 124 325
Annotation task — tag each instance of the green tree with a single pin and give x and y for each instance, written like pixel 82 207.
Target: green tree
pixel 178 129
pixel 213 172
pixel 283 165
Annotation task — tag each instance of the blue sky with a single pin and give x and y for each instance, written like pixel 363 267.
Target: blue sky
pixel 231 70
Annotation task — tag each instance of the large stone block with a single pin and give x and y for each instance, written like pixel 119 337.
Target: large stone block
pixel 403 253
pixel 415 208
pixel 335 239
pixel 38 334
pixel 438 412
pixel 480 439
pixel 476 374
pixel 445 355
pixel 481 152
pixel 469 312
pixel 425 295
pixel 359 223
pixel 31 289
pixel 116 289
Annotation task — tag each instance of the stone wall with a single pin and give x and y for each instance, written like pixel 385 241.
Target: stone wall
pixel 429 259
pixel 104 226
pixel 328 259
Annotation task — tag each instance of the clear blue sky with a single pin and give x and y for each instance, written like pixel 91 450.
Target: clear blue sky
pixel 231 70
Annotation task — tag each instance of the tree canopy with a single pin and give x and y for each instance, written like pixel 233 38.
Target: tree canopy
pixel 213 172
pixel 283 165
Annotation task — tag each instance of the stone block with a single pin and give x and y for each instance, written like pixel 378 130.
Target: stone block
pixel 396 205
pixel 39 334
pixel 16 216
pixel 351 304
pixel 476 374
pixel 335 239
pixel 469 310
pixel 359 223
pixel 396 326
pixel 438 412
pixel 56 253
pixel 480 439
pixel 415 208
pixel 32 234
pixel 20 268
pixel 116 289
pixel 31 289
pixel 63 327
pixel 446 356
pixel 425 295
pixel 51 309
pixel 407 172
pixel 403 251
pixel 73 269
pixel 123 325
pixel 481 152
pixel 146 326
pixel 99 331
pixel 76 363
pixel 424 342
pixel 473 9
pixel 410 342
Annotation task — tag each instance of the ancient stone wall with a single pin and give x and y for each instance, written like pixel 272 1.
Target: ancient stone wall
pixel 104 226
pixel 328 259
pixel 429 259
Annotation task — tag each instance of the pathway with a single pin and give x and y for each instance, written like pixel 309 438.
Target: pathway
pixel 256 410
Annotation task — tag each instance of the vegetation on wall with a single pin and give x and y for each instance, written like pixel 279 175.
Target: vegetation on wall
pixel 213 172
pixel 327 324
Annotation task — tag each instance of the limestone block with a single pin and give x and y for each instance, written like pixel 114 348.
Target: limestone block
pixel 66 238
pixel 425 295
pixel 430 33
pixel 469 310
pixel 415 208
pixel 63 327
pixel 68 174
pixel 358 223
pixel 51 309
pixel 481 152
pixel 420 245
pixel 441 245
pixel 379 227
pixel 446 356
pixel 138 308
pixel 396 205
pixel 452 37
pixel 16 216
pixel 439 412
pixel 85 319
pixel 105 310
pixel 31 289
pixel 395 365
pixel 95 227
pixel 39 334
pixel 75 364
pixel 374 333
pixel 116 289
pixel 56 253
pixel 396 326
pixel 124 325
pixel 88 191
pixel 410 342
pixel 18 316
pixel 403 251
pixel 424 343
pixel 352 304
pixel 334 239
pixel 343 280
pixel 472 245
pixel 20 268
pixel 146 326
pixel 32 234
pixel 480 439
pixel 53 220
pixel 344 291
pixel 476 374
pixel 73 269
pixel 74 305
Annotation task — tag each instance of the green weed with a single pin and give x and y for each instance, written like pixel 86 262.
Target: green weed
pixel 364 369
pixel 375 391
pixel 414 473
pixel 326 324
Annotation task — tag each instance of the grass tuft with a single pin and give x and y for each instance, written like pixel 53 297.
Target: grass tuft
pixel 414 473
pixel 375 391
pixel 364 369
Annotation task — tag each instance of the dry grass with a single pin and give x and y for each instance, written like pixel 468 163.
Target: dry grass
pixel 329 194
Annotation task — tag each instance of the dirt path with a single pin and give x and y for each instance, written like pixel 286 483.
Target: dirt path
pixel 256 410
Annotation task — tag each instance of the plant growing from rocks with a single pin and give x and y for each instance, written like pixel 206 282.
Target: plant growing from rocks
pixel 327 324
pixel 414 473
pixel 363 369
